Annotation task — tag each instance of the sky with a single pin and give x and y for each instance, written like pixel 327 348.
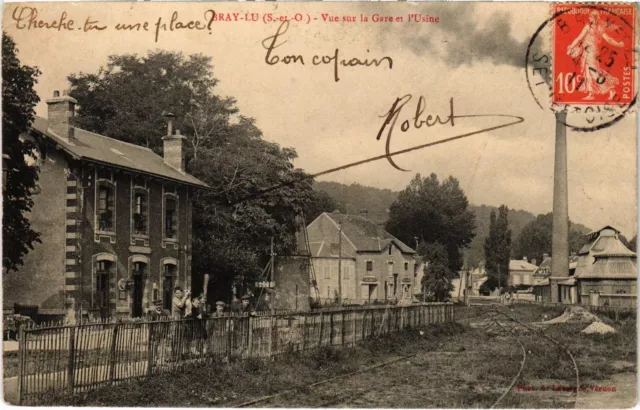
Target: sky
pixel 473 55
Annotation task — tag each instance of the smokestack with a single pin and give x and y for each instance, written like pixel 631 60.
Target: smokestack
pixel 61 114
pixel 173 145
pixel 560 235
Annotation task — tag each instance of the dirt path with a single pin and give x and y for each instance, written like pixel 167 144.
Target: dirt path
pixel 473 370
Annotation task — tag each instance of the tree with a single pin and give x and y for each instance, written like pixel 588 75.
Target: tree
pixel 433 212
pixel 535 238
pixel 234 221
pixel 437 280
pixel 18 102
pixel 497 249
pixel 125 100
pixel 321 202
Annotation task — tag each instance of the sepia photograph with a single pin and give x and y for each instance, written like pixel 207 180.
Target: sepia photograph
pixel 320 204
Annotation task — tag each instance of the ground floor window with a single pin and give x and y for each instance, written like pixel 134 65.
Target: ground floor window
pixel 138 273
pixel 102 283
pixel 168 283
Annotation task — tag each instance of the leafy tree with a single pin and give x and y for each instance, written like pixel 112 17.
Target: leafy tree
pixel 437 280
pixel 433 212
pixel 18 102
pixel 321 202
pixel 125 100
pixel 231 236
pixel 535 238
pixel 497 249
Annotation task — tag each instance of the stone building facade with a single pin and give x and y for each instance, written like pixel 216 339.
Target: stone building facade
pixel 115 222
pixel 374 265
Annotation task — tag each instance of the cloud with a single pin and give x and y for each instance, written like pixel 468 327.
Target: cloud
pixel 458 39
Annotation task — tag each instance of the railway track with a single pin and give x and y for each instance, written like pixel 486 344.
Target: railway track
pixel 510 326
pixel 490 319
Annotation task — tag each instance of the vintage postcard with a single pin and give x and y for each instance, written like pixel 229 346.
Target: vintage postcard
pixel 320 204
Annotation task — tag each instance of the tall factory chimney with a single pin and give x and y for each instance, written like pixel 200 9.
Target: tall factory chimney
pixel 560 237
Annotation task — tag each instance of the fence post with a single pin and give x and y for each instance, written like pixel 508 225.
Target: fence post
pixel 343 328
pixel 230 328
pixel 112 353
pixel 270 341
pixel 304 332
pixel 402 318
pixel 21 358
pixel 331 329
pixel 321 329
pixel 72 354
pixel 250 338
pixel 150 349
pixel 355 328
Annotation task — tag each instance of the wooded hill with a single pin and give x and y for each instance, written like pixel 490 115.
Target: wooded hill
pixel 355 197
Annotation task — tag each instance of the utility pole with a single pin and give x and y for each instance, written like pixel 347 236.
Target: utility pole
pixel 340 263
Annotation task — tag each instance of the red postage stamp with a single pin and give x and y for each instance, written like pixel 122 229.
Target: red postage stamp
pixel 593 54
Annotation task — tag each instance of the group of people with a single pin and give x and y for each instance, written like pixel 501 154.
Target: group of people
pixel 186 306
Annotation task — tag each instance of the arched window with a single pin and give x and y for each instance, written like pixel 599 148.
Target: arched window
pixel 103 268
pixel 169 274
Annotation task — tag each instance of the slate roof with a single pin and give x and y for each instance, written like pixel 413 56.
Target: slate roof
pixel 545 267
pixel 367 235
pixel 100 149
pixel 612 260
pixel 521 265
pixel 325 249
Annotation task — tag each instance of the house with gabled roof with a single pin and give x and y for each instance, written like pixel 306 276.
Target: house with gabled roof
pixel 372 264
pixel 114 218
pixel 521 272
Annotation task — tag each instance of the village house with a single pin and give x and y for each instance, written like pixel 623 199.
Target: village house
pixel 521 272
pixel 374 265
pixel 115 222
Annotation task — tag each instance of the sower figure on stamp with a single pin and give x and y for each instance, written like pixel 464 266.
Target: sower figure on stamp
pixel 586 48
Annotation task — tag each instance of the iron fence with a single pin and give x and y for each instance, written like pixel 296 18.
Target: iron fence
pixel 68 359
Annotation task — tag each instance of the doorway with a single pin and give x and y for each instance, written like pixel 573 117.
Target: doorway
pixel 167 285
pixel 138 288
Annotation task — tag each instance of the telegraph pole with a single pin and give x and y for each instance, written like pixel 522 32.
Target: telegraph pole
pixel 339 263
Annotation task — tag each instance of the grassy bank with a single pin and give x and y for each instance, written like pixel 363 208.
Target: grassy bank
pixel 220 384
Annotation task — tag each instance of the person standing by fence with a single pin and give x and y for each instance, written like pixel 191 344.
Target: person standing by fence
pixel 178 307
pixel 196 327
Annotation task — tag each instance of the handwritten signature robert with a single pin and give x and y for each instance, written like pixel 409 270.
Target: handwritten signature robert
pixel 271 43
pixel 430 120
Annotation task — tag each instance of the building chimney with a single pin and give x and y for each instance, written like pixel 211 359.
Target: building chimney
pixel 533 261
pixel 545 256
pixel 524 258
pixel 173 146
pixel 61 115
